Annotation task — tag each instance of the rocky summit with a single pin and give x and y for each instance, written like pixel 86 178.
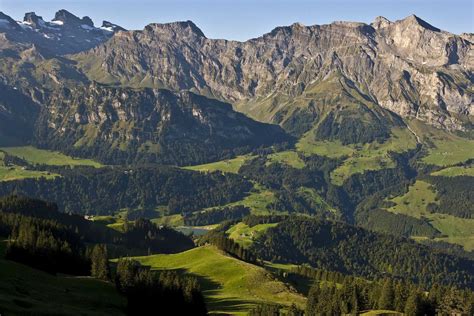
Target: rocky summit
pixel 408 67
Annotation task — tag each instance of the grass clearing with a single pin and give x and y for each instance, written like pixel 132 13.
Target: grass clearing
pixel 288 157
pixel 17 173
pixel 331 149
pixel 230 286
pixel 229 165
pixel 40 156
pixel 360 157
pixel 258 200
pixel 245 235
pixel 169 220
pixel 455 171
pixel 310 194
pixel 373 156
pixel 444 148
pixel 413 203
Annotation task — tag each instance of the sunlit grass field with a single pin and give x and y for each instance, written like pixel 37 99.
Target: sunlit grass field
pixel 229 165
pixel 230 286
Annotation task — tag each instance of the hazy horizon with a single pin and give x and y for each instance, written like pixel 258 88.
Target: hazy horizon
pixel 246 19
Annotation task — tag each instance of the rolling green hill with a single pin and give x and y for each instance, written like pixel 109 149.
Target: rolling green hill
pixel 229 285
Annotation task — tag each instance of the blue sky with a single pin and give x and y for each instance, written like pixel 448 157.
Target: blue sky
pixel 244 19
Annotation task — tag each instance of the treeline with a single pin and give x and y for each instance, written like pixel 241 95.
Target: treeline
pixel 355 251
pixel 353 130
pixel 44 245
pixel 396 224
pixel 166 292
pixel 253 220
pixel 216 215
pixel 106 190
pixel 226 244
pixel 55 242
pixel 454 194
pixel 352 295
pixel 143 234
pixel 371 214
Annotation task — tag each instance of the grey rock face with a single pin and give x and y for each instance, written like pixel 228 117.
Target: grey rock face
pixel 407 66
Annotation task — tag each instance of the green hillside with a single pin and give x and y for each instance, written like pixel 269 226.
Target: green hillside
pixel 444 148
pixel 415 202
pixel 24 290
pixel 229 285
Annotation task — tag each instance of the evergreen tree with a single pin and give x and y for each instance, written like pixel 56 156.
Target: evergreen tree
pixel 294 311
pixel 387 296
pixel 100 263
pixel 313 297
pixel 413 303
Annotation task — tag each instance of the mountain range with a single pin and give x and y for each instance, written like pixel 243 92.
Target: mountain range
pixel 90 90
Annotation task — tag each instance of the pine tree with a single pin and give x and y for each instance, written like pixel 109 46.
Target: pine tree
pixel 413 304
pixel 100 263
pixel 387 296
pixel 313 297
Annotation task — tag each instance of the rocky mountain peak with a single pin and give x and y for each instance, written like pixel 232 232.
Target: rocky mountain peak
pixel 33 20
pixel 65 34
pixel 67 18
pixel 106 25
pixel 6 22
pixel 186 28
pixel 414 21
pixel 381 22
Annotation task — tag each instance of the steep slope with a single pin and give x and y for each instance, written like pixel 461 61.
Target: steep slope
pixel 407 66
pixel 122 125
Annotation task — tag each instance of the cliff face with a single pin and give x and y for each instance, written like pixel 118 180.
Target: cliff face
pixel 120 125
pixel 408 66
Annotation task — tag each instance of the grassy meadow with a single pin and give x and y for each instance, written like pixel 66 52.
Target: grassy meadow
pixel 230 286
pixel 47 157
pixel 413 203
pixel 245 235
pixel 228 165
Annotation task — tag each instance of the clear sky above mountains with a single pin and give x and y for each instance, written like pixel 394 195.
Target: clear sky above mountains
pixel 244 19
